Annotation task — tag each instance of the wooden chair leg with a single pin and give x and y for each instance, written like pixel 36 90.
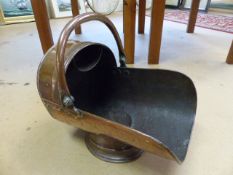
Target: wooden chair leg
pixel 75 12
pixel 193 16
pixel 42 23
pixel 157 16
pixel 124 24
pixel 141 16
pixel 129 29
pixel 230 55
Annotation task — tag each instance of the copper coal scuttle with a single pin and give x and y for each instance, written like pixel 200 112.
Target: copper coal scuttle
pixel 124 111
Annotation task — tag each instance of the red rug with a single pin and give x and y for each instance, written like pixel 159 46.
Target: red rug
pixel 209 21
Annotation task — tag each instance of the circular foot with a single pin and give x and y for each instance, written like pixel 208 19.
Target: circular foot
pixel 111 150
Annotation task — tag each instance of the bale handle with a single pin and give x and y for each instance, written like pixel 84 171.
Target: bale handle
pixel 70 26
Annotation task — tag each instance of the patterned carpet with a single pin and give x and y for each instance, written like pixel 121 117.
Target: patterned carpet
pixel 209 21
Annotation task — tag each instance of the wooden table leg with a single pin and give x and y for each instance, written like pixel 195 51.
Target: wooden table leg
pixel 193 16
pixel 42 23
pixel 75 12
pixel 230 55
pixel 157 16
pixel 129 29
pixel 141 16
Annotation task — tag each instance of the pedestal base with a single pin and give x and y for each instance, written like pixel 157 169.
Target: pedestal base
pixel 111 150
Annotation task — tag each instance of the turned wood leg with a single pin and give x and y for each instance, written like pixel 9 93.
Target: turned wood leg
pixel 193 16
pixel 141 16
pixel 129 29
pixel 157 16
pixel 230 55
pixel 75 12
pixel 42 23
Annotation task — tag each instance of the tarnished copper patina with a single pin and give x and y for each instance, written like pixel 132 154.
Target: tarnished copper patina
pixel 123 110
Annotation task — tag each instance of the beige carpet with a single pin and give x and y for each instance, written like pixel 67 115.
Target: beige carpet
pixel 32 143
